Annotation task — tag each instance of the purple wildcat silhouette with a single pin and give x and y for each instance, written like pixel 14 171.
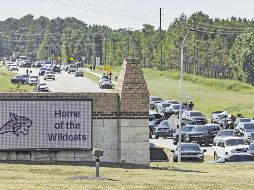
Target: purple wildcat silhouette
pixel 16 125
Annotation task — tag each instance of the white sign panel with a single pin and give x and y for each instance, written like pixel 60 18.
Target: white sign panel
pixel 98 61
pixel 45 124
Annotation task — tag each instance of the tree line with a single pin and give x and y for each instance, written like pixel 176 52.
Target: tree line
pixel 216 48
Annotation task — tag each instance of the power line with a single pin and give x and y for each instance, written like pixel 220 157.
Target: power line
pixel 100 11
pixel 113 9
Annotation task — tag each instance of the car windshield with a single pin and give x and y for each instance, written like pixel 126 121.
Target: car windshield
pixel 234 142
pixel 43 84
pixel 164 124
pixel 187 129
pixel 190 147
pixel 196 114
pixel 248 126
pixel 165 105
pixel 105 77
pixel 49 72
pixel 173 102
pixel 156 99
pixel 34 77
pixel 43 69
pixel 244 120
pixel 176 107
pixel 223 116
pixel 200 128
pixel 225 133
pixel 154 116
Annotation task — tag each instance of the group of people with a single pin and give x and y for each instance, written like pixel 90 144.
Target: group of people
pixel 188 105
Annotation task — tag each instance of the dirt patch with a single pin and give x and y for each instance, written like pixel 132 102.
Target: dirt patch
pixel 90 178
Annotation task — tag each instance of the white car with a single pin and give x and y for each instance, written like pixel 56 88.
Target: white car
pixel 8 64
pixel 229 145
pixel 104 77
pixel 42 87
pixel 49 75
pixel 34 79
pixel 14 67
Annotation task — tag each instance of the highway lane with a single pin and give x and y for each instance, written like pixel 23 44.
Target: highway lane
pixel 66 82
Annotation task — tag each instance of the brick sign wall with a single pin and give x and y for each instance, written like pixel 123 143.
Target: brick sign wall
pixel 119 122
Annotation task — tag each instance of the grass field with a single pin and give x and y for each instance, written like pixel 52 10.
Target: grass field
pixel 191 176
pixel 207 94
pixel 7 86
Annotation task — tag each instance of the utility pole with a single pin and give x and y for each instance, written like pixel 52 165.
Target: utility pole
pixel 105 50
pixel 128 44
pixel 160 42
pixel 180 100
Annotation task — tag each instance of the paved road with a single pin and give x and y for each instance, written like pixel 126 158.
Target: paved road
pixel 67 82
pixel 168 143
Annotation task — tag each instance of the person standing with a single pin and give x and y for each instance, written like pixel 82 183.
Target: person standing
pixel 191 105
pixel 110 75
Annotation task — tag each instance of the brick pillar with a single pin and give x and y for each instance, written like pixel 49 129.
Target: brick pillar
pixel 134 113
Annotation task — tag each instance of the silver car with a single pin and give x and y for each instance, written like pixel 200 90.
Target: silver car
pixel 49 75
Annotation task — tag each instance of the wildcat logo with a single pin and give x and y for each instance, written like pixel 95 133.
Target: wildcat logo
pixel 16 125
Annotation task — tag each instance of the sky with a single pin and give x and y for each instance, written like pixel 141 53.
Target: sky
pixel 131 14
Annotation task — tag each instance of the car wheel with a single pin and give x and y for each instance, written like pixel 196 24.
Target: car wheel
pixel 174 160
pixel 44 79
pixel 202 160
pixel 174 143
pixel 156 137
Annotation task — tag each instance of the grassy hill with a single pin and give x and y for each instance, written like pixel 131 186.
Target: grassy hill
pixel 207 94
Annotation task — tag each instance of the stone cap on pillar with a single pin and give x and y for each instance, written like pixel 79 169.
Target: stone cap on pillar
pixel 132 88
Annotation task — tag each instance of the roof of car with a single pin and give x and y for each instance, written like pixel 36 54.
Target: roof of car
pixel 212 124
pixel 227 130
pixel 230 137
pixel 195 144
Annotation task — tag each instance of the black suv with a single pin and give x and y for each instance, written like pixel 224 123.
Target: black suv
pixel 163 130
pixel 203 134
pixel 184 130
pixel 193 118
pixel 55 69
pixel 189 152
